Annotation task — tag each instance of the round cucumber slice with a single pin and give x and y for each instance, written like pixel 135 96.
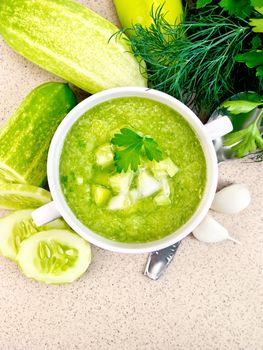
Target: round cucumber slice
pixel 20 196
pixel 54 257
pixel 18 226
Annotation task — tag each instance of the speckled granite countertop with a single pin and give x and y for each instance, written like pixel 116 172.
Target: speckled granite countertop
pixel 211 297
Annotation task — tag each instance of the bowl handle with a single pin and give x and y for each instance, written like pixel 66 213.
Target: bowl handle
pixel 219 127
pixel 45 214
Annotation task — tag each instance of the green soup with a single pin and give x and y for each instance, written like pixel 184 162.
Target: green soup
pixel 145 211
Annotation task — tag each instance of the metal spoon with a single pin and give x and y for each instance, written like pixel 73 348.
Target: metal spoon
pixel 158 261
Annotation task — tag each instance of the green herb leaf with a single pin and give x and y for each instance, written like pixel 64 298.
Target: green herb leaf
pixel 151 149
pixel 256 3
pixel 237 8
pixel 257 24
pixel 127 137
pixel 256 42
pixel 240 106
pixel 260 71
pixel 128 157
pixel 245 141
pixel 202 3
pixel 133 144
pixel 253 59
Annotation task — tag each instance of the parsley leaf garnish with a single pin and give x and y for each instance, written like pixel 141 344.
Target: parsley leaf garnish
pixel 132 145
pixel 151 149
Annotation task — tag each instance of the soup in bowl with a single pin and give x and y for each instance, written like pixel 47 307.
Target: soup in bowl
pixel 132 170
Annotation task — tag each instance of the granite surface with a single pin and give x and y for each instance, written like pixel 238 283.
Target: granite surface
pixel 211 297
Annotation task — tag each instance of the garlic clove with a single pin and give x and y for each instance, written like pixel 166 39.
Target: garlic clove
pixel 231 199
pixel 211 231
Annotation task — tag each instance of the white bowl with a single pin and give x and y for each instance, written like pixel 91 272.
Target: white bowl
pixel 60 207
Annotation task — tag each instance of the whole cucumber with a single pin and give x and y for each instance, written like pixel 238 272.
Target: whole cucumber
pixel 25 138
pixel 70 41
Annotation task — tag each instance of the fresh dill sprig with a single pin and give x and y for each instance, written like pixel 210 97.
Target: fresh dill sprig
pixel 195 61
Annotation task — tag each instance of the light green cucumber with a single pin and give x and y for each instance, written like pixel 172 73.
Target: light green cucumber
pixel 71 41
pixel 100 194
pixel 25 138
pixel 20 196
pixel 18 226
pixel 54 256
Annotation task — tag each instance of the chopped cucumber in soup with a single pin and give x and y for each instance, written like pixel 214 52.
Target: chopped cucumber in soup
pixel 120 183
pixel 55 256
pixel 121 201
pixel 18 226
pixel 165 187
pixel 147 184
pixel 162 199
pixel 101 194
pixel 104 156
pixel 163 168
pixel 134 195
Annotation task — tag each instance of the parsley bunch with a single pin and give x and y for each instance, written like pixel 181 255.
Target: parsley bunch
pixel 249 139
pixel 131 146
pixel 253 55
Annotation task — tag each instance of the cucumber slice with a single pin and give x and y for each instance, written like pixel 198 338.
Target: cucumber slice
pixel 104 156
pixel 54 257
pixel 18 226
pixel 20 196
pixel 100 194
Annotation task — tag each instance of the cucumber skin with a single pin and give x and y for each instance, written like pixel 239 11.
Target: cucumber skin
pixel 25 138
pixel 22 196
pixel 71 41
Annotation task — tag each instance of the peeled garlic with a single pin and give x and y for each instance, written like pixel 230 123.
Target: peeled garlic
pixel 231 199
pixel 210 231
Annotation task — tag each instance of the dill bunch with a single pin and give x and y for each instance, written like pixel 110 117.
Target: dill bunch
pixel 195 61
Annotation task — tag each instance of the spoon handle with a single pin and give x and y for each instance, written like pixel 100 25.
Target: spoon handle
pixel 159 260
